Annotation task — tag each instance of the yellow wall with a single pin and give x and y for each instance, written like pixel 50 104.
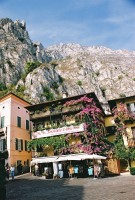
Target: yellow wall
pixel 16 154
pixel 109 121
pixel 111 138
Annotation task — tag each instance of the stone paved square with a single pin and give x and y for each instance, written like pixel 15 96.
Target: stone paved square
pixel 28 187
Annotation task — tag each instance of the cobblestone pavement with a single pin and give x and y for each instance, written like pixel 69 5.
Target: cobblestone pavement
pixel 28 187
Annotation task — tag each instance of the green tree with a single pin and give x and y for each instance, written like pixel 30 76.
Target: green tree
pixel 3 156
pixel 121 151
pixel 29 67
pixel 48 94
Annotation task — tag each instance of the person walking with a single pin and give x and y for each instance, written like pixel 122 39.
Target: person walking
pixel 36 170
pixel 12 170
pixel 71 171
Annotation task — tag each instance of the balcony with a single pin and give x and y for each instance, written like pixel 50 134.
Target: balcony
pixel 131 142
pixel 39 114
pixel 2 132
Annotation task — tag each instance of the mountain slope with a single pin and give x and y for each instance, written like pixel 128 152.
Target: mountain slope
pixel 65 67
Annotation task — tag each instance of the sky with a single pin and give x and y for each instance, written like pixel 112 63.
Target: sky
pixel 109 23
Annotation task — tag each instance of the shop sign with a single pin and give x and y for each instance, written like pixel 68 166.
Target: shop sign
pixel 58 131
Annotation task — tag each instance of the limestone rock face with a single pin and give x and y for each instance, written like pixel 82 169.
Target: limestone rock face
pixel 16 50
pixel 110 74
pixel 72 68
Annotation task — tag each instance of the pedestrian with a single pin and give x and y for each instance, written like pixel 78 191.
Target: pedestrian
pixel 97 170
pixel 76 169
pixel 71 171
pixel 12 170
pixel 36 170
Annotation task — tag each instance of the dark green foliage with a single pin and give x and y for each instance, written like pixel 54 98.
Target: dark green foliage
pixel 2 86
pixel 3 156
pixel 79 83
pixel 29 67
pixel 57 142
pixel 55 85
pixel 121 152
pixel 20 88
pixel 47 93
pixel 2 93
pixel 132 170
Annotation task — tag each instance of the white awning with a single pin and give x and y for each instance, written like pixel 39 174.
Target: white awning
pixel 80 156
pixel 69 157
pixel 44 159
pixel 92 156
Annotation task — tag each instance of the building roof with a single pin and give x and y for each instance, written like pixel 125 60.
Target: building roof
pixel 11 94
pixel 122 98
pixel 64 100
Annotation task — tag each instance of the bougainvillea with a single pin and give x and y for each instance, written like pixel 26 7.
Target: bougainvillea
pixel 120 115
pixel 93 138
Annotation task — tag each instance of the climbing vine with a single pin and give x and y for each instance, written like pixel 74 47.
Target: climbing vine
pixel 91 140
pixel 120 115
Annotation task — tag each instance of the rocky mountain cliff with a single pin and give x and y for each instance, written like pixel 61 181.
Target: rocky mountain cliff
pixel 71 68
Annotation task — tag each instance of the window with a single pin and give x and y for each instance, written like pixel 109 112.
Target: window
pixel 19 122
pixel 19 144
pixel 131 107
pixel 2 122
pixel 133 131
pixel 27 124
pixel 2 145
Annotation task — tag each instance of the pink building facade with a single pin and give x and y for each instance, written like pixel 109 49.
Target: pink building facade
pixel 15 129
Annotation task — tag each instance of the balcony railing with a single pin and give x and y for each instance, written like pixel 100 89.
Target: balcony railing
pixel 40 114
pixel 2 132
pixel 131 142
pixel 53 111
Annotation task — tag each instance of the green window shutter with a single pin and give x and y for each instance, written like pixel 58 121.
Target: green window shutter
pixel 25 145
pixel 27 124
pixel 19 121
pixel 22 145
pixel 4 144
pixel 2 121
pixel 1 145
pixel 16 144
